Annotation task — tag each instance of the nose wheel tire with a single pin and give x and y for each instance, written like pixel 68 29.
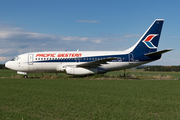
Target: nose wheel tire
pixel 25 76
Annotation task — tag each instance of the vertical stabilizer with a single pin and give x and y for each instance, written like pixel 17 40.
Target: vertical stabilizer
pixel 150 39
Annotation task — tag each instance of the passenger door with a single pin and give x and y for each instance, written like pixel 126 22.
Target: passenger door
pixel 131 58
pixel 30 59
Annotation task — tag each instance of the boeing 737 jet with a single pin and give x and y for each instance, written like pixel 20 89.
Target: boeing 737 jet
pixel 92 62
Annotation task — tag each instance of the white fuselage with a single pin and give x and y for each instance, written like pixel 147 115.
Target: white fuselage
pixel 58 61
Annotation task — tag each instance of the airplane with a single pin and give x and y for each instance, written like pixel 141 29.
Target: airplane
pixel 92 62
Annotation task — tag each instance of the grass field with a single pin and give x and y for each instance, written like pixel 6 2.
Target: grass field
pixel 85 98
pixel 139 74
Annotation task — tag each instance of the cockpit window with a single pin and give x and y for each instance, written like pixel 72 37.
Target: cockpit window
pixel 15 59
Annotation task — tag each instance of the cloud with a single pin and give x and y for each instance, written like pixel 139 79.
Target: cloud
pixel 88 21
pixel 132 35
pixel 67 38
pixel 174 60
pixel 4 50
pixel 23 46
pixel 84 38
pixel 10 33
pixel 9 53
pixel 73 38
pixel 32 35
pixel 175 36
pixel 96 41
pixel 166 61
pixel 4 59
pixel 43 45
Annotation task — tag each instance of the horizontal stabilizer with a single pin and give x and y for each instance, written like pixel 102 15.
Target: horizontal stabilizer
pixel 96 63
pixel 158 53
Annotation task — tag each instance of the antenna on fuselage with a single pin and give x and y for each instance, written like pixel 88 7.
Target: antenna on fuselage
pixel 77 49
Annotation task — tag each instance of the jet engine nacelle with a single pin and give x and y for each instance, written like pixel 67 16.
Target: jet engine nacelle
pixel 83 71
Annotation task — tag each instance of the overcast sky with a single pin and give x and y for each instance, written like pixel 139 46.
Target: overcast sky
pixel 87 25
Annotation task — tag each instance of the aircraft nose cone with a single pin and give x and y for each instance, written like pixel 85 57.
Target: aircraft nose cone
pixel 7 65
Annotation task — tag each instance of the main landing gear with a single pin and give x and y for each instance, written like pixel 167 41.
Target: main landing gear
pixel 124 72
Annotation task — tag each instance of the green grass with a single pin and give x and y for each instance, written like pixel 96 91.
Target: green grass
pixel 89 99
pixel 79 98
pixel 139 74
pixel 5 73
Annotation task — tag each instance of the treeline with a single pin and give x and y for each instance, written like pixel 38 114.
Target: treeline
pixel 2 66
pixel 162 68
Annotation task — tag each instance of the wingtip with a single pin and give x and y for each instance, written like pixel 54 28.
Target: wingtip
pixel 170 49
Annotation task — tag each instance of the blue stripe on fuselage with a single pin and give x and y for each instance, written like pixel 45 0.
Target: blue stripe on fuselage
pixel 120 58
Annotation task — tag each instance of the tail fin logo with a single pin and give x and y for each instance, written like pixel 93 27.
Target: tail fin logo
pixel 148 42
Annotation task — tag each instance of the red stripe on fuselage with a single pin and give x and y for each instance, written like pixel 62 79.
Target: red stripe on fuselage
pixel 60 55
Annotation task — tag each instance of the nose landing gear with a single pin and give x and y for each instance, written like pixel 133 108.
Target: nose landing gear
pixel 25 76
pixel 22 73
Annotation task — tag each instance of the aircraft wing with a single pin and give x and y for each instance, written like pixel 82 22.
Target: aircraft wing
pixel 96 63
pixel 158 52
